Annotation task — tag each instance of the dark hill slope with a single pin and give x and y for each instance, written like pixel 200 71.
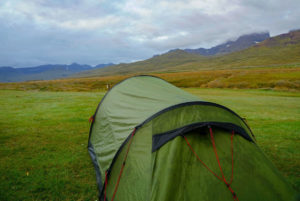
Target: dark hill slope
pixel 241 43
pixel 43 72
pixel 156 63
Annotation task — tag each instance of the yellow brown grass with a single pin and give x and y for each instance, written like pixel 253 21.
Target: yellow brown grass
pixel 287 79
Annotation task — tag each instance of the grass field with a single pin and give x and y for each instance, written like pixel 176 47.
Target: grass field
pixel 43 138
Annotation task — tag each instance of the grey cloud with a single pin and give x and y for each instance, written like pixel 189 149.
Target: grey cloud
pixel 99 31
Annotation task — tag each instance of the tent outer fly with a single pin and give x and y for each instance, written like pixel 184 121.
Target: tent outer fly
pixel 150 140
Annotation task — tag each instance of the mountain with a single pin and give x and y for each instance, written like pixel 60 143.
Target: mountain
pixel 43 72
pixel 156 63
pixel 280 50
pixel 241 43
pixel 104 65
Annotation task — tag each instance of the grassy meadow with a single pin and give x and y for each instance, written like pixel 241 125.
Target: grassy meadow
pixel 282 78
pixel 43 137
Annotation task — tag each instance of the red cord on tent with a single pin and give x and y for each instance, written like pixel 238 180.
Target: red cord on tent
pixel 123 165
pixel 91 119
pixel 200 159
pixel 215 150
pixel 105 186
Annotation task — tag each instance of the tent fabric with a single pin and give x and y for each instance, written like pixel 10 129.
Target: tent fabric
pixel 127 105
pixel 161 114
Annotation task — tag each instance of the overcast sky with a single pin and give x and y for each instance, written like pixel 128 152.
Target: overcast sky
pixel 34 32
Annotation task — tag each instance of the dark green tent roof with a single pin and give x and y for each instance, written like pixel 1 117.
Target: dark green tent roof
pixel 127 105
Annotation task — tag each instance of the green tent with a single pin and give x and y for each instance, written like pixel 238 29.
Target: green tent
pixel 151 141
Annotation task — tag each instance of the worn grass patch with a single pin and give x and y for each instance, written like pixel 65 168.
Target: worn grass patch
pixel 43 138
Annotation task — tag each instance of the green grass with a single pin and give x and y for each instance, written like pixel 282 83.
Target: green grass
pixel 44 135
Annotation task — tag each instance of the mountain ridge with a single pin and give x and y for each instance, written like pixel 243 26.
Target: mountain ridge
pixel 242 42
pixel 44 72
pixel 283 49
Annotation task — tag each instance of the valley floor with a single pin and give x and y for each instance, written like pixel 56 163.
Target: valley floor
pixel 282 78
pixel 43 138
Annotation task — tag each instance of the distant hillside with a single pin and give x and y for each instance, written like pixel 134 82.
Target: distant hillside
pixel 43 72
pixel 279 50
pixel 156 63
pixel 104 65
pixel 241 43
